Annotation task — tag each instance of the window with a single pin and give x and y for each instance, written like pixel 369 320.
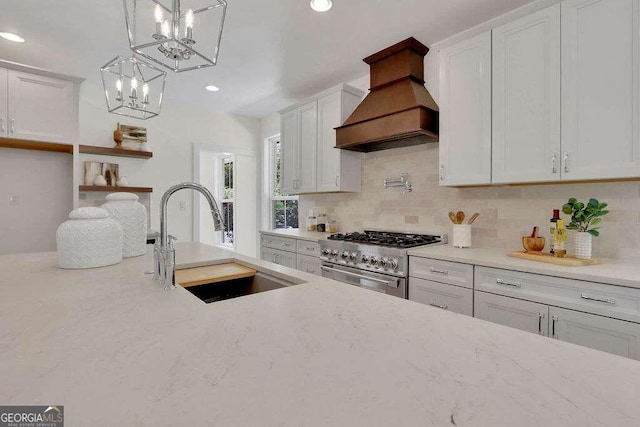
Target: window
pixel 284 208
pixel 226 200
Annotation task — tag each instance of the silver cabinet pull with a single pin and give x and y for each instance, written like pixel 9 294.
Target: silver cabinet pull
pixel 442 306
pixel 337 178
pixel 540 317
pixel 554 320
pixel 514 284
pixel 311 248
pixel 273 258
pixel 3 127
pixel 566 161
pixel 286 244
pixel 604 300
pixel 554 168
pixel 434 270
pixel 441 171
pixel 12 126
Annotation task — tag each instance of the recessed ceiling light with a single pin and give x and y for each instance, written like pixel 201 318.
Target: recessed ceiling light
pixel 11 37
pixel 212 88
pixel 321 5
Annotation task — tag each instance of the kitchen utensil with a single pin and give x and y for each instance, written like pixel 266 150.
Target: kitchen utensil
pixel 473 218
pixel 533 243
pixel 453 218
pixel 460 217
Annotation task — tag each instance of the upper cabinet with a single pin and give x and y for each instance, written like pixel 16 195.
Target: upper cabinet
pixel 310 161
pixel 465 112
pixel 600 89
pixel 564 98
pixel 37 107
pixel 526 99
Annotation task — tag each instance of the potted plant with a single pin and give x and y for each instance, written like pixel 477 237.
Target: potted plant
pixel 584 219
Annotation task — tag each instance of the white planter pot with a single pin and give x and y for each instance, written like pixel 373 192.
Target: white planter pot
pixel 132 216
pixel 583 245
pixel 89 239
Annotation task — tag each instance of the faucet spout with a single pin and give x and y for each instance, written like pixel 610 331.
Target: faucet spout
pixel 164 253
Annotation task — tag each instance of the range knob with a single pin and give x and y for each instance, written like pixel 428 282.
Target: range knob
pixel 344 255
pixel 394 264
pixel 364 259
pixel 384 262
pixel 353 256
pixel 326 252
pixel 373 260
pixel 334 253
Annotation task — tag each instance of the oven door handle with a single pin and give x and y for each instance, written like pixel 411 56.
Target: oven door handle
pixel 390 283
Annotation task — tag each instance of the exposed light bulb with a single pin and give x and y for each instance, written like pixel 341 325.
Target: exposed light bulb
pixel 145 89
pixel 119 85
pixel 134 88
pixel 158 14
pixel 12 37
pixel 321 5
pixel 165 28
pixel 188 18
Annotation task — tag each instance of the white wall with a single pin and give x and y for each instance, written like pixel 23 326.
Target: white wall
pixel 43 183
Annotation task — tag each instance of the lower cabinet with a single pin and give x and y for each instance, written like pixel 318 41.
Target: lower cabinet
pixel 309 264
pixel 276 256
pixel 602 333
pixel 524 315
pixel 446 297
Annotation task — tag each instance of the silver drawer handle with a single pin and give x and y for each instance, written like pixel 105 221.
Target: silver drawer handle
pixel 445 272
pixel 444 307
pixel 502 282
pixel 604 300
pixel 12 126
pixel 310 248
pixel 287 244
pixel 2 126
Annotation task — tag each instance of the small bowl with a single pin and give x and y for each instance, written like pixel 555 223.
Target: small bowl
pixel 533 244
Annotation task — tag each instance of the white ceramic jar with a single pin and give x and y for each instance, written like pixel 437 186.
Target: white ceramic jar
pixel 132 215
pixel 89 239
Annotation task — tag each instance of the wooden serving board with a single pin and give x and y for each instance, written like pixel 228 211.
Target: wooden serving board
pixel 212 274
pixel 569 261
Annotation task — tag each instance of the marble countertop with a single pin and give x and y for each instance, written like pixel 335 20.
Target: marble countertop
pixel 297 233
pixel 115 349
pixel 610 272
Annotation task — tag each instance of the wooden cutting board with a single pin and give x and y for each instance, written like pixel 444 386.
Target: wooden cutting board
pixel 569 261
pixel 212 274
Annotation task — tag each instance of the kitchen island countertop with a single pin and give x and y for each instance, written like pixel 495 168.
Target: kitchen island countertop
pixel 115 349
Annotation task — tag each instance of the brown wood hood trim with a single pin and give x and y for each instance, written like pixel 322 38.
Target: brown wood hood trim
pixel 382 116
pixel 409 43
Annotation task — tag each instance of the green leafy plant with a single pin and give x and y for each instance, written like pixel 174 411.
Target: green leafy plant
pixel 585 217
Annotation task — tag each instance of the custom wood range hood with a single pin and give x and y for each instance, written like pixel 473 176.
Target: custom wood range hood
pixel 398 111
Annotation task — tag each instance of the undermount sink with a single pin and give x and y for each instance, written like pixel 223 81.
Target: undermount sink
pixel 226 281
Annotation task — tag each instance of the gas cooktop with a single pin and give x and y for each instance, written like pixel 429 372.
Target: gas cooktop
pixel 388 239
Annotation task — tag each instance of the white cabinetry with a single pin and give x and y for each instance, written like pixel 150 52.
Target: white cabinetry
pixel 465 112
pixel 524 315
pixel 610 335
pixel 526 99
pixel 276 256
pixel 38 107
pixel 600 89
pixel 301 254
pixel 310 163
pixel 4 127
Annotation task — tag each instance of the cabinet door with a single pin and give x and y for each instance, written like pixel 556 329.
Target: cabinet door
pixel 40 108
pixel 329 112
pixel 524 315
pixel 307 144
pixel 465 112
pixel 610 335
pixel 289 151
pixel 287 259
pixel 447 297
pixel 3 102
pixel 600 89
pixel 309 264
pixel 526 99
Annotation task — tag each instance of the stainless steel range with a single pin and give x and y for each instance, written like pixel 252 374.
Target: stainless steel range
pixel 373 259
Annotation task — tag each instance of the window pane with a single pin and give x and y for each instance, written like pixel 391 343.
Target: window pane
pixel 285 214
pixel 227 216
pixel 278 176
pixel 228 178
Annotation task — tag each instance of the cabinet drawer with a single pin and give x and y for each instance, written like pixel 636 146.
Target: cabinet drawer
pixel 309 264
pixel 287 259
pixel 448 297
pixel 275 242
pixel 515 313
pixel 452 273
pixel 598 298
pixel 306 247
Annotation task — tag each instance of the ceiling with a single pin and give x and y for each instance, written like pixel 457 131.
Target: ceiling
pixel 272 52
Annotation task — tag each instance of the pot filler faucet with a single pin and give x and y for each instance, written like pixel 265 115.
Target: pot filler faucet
pixel 164 254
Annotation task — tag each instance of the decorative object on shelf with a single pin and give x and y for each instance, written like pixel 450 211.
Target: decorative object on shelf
pixel 533 243
pixel 399 182
pixel 122 182
pixel 89 239
pixel 111 172
pixel 584 219
pixel 179 35
pixel 91 172
pixel 99 181
pixel 145 147
pixel 133 88
pixel 132 216
pixel 129 137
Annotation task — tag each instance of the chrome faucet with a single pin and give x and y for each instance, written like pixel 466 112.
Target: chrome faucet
pixel 164 253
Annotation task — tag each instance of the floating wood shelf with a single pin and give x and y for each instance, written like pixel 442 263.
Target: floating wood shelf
pixel 119 152
pixel 111 189
pixel 36 145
